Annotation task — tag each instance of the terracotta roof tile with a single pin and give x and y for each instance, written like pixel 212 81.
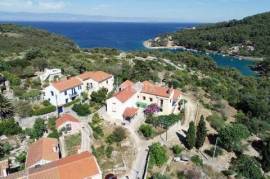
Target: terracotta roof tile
pixel 98 76
pixel 177 94
pixel 65 118
pixel 79 166
pixel 44 148
pixel 125 94
pixel 67 84
pixel 152 89
pixel 126 84
pixel 130 112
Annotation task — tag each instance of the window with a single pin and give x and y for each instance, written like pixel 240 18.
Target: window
pixel 138 97
pixel 52 93
pixel 144 98
pixel 65 92
pixel 151 99
pixel 161 102
pixel 107 82
pixel 66 101
pixel 79 87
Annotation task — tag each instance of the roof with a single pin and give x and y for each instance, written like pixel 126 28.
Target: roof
pixel 65 118
pixel 79 166
pixel 126 84
pixel 130 112
pixel 152 89
pixel 44 149
pixel 67 84
pixel 176 94
pixel 98 76
pixel 125 94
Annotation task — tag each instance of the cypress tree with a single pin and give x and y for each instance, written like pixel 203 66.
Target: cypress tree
pixel 191 136
pixel 201 133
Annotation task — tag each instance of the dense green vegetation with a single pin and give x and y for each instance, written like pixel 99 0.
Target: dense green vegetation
pixel 250 35
pixel 191 135
pixel 253 31
pixel 158 155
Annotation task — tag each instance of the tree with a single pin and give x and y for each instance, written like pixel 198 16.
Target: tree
pixel 266 156
pixel 9 127
pixel 201 133
pixel 177 150
pixel 147 130
pixel 118 135
pixel 191 135
pixel 40 63
pixel 246 167
pixel 33 53
pixel 38 129
pixel 232 135
pixel 99 96
pixel 6 108
pixel 158 154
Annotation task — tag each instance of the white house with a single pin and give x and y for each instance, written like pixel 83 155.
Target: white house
pixel 41 152
pixel 125 103
pixel 68 124
pixel 62 92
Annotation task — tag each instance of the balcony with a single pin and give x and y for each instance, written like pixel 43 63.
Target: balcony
pixel 73 94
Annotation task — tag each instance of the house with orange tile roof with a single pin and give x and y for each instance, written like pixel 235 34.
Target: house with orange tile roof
pixel 79 166
pixel 125 103
pixel 95 80
pixel 62 92
pixel 68 124
pixel 41 152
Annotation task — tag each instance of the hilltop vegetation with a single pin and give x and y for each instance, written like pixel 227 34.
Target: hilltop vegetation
pixel 247 37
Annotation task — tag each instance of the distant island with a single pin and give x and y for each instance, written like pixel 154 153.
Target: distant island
pixel 241 38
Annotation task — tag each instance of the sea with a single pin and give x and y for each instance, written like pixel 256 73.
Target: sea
pixel 127 37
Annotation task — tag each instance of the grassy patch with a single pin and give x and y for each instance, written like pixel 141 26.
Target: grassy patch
pixel 72 143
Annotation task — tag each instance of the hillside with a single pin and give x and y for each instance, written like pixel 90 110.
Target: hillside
pixel 17 39
pixel 247 37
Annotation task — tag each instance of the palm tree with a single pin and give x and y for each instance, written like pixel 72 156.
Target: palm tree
pixel 6 108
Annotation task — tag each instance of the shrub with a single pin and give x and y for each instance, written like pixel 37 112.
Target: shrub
pixel 147 130
pixel 151 109
pixel 246 167
pixel 9 127
pixel 81 109
pixel 109 151
pixel 218 152
pixel 158 155
pixel 72 102
pixel 177 150
pixel 118 135
pixel 197 160
pixel 216 121
pixel 160 176
pixel 232 135
pixel 38 129
pixel 54 134
pixel 43 110
pixel 99 96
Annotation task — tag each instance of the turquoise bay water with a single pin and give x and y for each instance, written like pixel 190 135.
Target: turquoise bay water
pixel 127 37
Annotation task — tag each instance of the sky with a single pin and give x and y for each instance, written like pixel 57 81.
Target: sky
pixel 164 10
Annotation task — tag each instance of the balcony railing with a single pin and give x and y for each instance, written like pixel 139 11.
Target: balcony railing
pixel 73 94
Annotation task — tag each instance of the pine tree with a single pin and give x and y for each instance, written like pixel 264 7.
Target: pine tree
pixel 201 133
pixel 191 136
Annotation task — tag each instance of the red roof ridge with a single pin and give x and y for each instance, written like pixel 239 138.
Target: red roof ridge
pixel 65 118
